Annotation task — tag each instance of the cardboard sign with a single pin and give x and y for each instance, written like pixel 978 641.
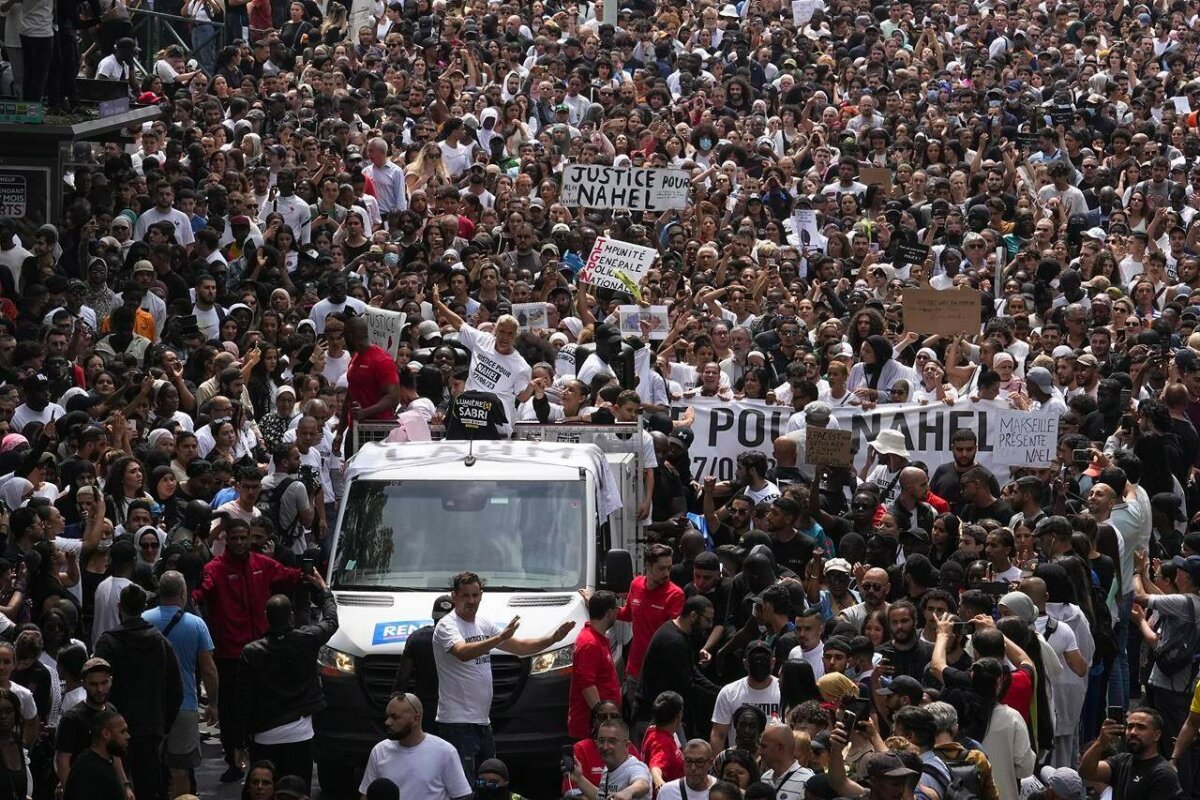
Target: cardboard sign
pixel 949 313
pixel 802 11
pixel 880 175
pixel 912 253
pixel 385 327
pixel 632 317
pixel 531 316
pixel 1025 438
pixel 828 447
pixel 633 189
pixel 617 265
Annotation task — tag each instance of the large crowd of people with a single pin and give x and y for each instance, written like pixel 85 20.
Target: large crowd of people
pixel 185 354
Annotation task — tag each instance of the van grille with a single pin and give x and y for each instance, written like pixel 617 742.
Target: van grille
pixel 365 599
pixel 378 675
pixel 538 600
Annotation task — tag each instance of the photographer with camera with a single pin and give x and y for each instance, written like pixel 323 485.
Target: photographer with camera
pixel 289 496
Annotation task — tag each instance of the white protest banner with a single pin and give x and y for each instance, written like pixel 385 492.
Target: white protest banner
pixel 531 316
pixel 725 429
pixel 631 318
pixel 385 327
pixel 802 11
pixel 617 265
pixel 1025 438
pixel 632 189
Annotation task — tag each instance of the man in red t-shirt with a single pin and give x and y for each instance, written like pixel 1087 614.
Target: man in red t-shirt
pixel 593 676
pixel 372 378
pixel 652 600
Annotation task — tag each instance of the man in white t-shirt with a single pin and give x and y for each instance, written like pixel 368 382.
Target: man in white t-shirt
pixel 759 688
pixel 623 774
pixel 37 406
pixel 462 646
pixel 496 366
pixel 697 764
pixel 337 300
pixel 164 211
pixel 419 763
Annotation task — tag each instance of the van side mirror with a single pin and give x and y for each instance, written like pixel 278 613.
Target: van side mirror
pixel 618 571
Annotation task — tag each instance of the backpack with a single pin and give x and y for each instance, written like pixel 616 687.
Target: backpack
pixel 965 783
pixel 272 508
pixel 1177 648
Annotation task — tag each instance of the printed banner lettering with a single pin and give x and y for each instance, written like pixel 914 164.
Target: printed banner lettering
pixel 617 265
pixel 725 429
pixel 384 328
pixel 632 189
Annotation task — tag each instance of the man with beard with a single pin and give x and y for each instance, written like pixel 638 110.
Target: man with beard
pixel 907 653
pixel 1139 773
pixel 874 586
pixel 670 662
pixel 947 479
pixel 419 763
pixel 37 406
pixel 75 728
pixel 95 775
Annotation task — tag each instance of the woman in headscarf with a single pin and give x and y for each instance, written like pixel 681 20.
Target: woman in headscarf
pixel 873 377
pixel 149 546
pixel 162 488
pixel 1066 629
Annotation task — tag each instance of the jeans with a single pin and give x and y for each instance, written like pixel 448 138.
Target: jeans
pixel 39 53
pixel 204 45
pixel 293 758
pixel 474 743
pixel 1118 677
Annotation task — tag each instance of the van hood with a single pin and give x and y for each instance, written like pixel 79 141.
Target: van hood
pixel 380 623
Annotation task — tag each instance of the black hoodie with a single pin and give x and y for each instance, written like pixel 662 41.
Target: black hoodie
pixel 147 688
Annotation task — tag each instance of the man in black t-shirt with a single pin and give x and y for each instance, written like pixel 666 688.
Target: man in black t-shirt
pixel 906 653
pixel 96 773
pixel 792 549
pixel 417 672
pixel 1139 774
pixel 74 734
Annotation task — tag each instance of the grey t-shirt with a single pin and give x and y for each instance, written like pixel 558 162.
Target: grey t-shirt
pixel 613 781
pixel 1174 620
pixel 294 501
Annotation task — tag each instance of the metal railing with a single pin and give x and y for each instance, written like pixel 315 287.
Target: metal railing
pixel 155 30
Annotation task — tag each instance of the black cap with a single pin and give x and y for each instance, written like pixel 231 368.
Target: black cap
pixel 442 606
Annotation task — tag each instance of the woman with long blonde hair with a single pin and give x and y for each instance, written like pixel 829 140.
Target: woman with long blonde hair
pixel 427 169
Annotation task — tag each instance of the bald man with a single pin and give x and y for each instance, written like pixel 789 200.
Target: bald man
pixel 874 586
pixel 910 510
pixel 1070 684
pixel 777 750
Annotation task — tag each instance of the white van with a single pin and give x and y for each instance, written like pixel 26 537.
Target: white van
pixel 528 517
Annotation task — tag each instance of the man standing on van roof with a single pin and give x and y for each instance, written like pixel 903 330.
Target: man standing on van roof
pixel 462 644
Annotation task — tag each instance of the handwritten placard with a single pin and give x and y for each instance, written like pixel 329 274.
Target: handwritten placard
pixel 948 313
pixel 384 327
pixel 828 447
pixel 1025 438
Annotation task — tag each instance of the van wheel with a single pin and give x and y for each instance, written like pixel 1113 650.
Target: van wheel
pixel 336 779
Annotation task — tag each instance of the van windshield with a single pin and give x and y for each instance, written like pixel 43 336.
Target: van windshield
pixel 417 535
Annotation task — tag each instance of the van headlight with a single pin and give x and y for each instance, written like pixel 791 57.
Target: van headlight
pixel 334 663
pixel 552 660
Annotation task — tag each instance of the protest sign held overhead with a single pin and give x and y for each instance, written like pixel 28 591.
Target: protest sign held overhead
pixel 949 313
pixel 828 447
pixel 384 327
pixel 632 189
pixel 617 265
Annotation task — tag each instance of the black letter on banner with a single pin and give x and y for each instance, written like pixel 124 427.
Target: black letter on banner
pixel 929 426
pixel 749 417
pixel 900 423
pixel 720 420
pixel 865 427
pixel 985 444
pixel 777 420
